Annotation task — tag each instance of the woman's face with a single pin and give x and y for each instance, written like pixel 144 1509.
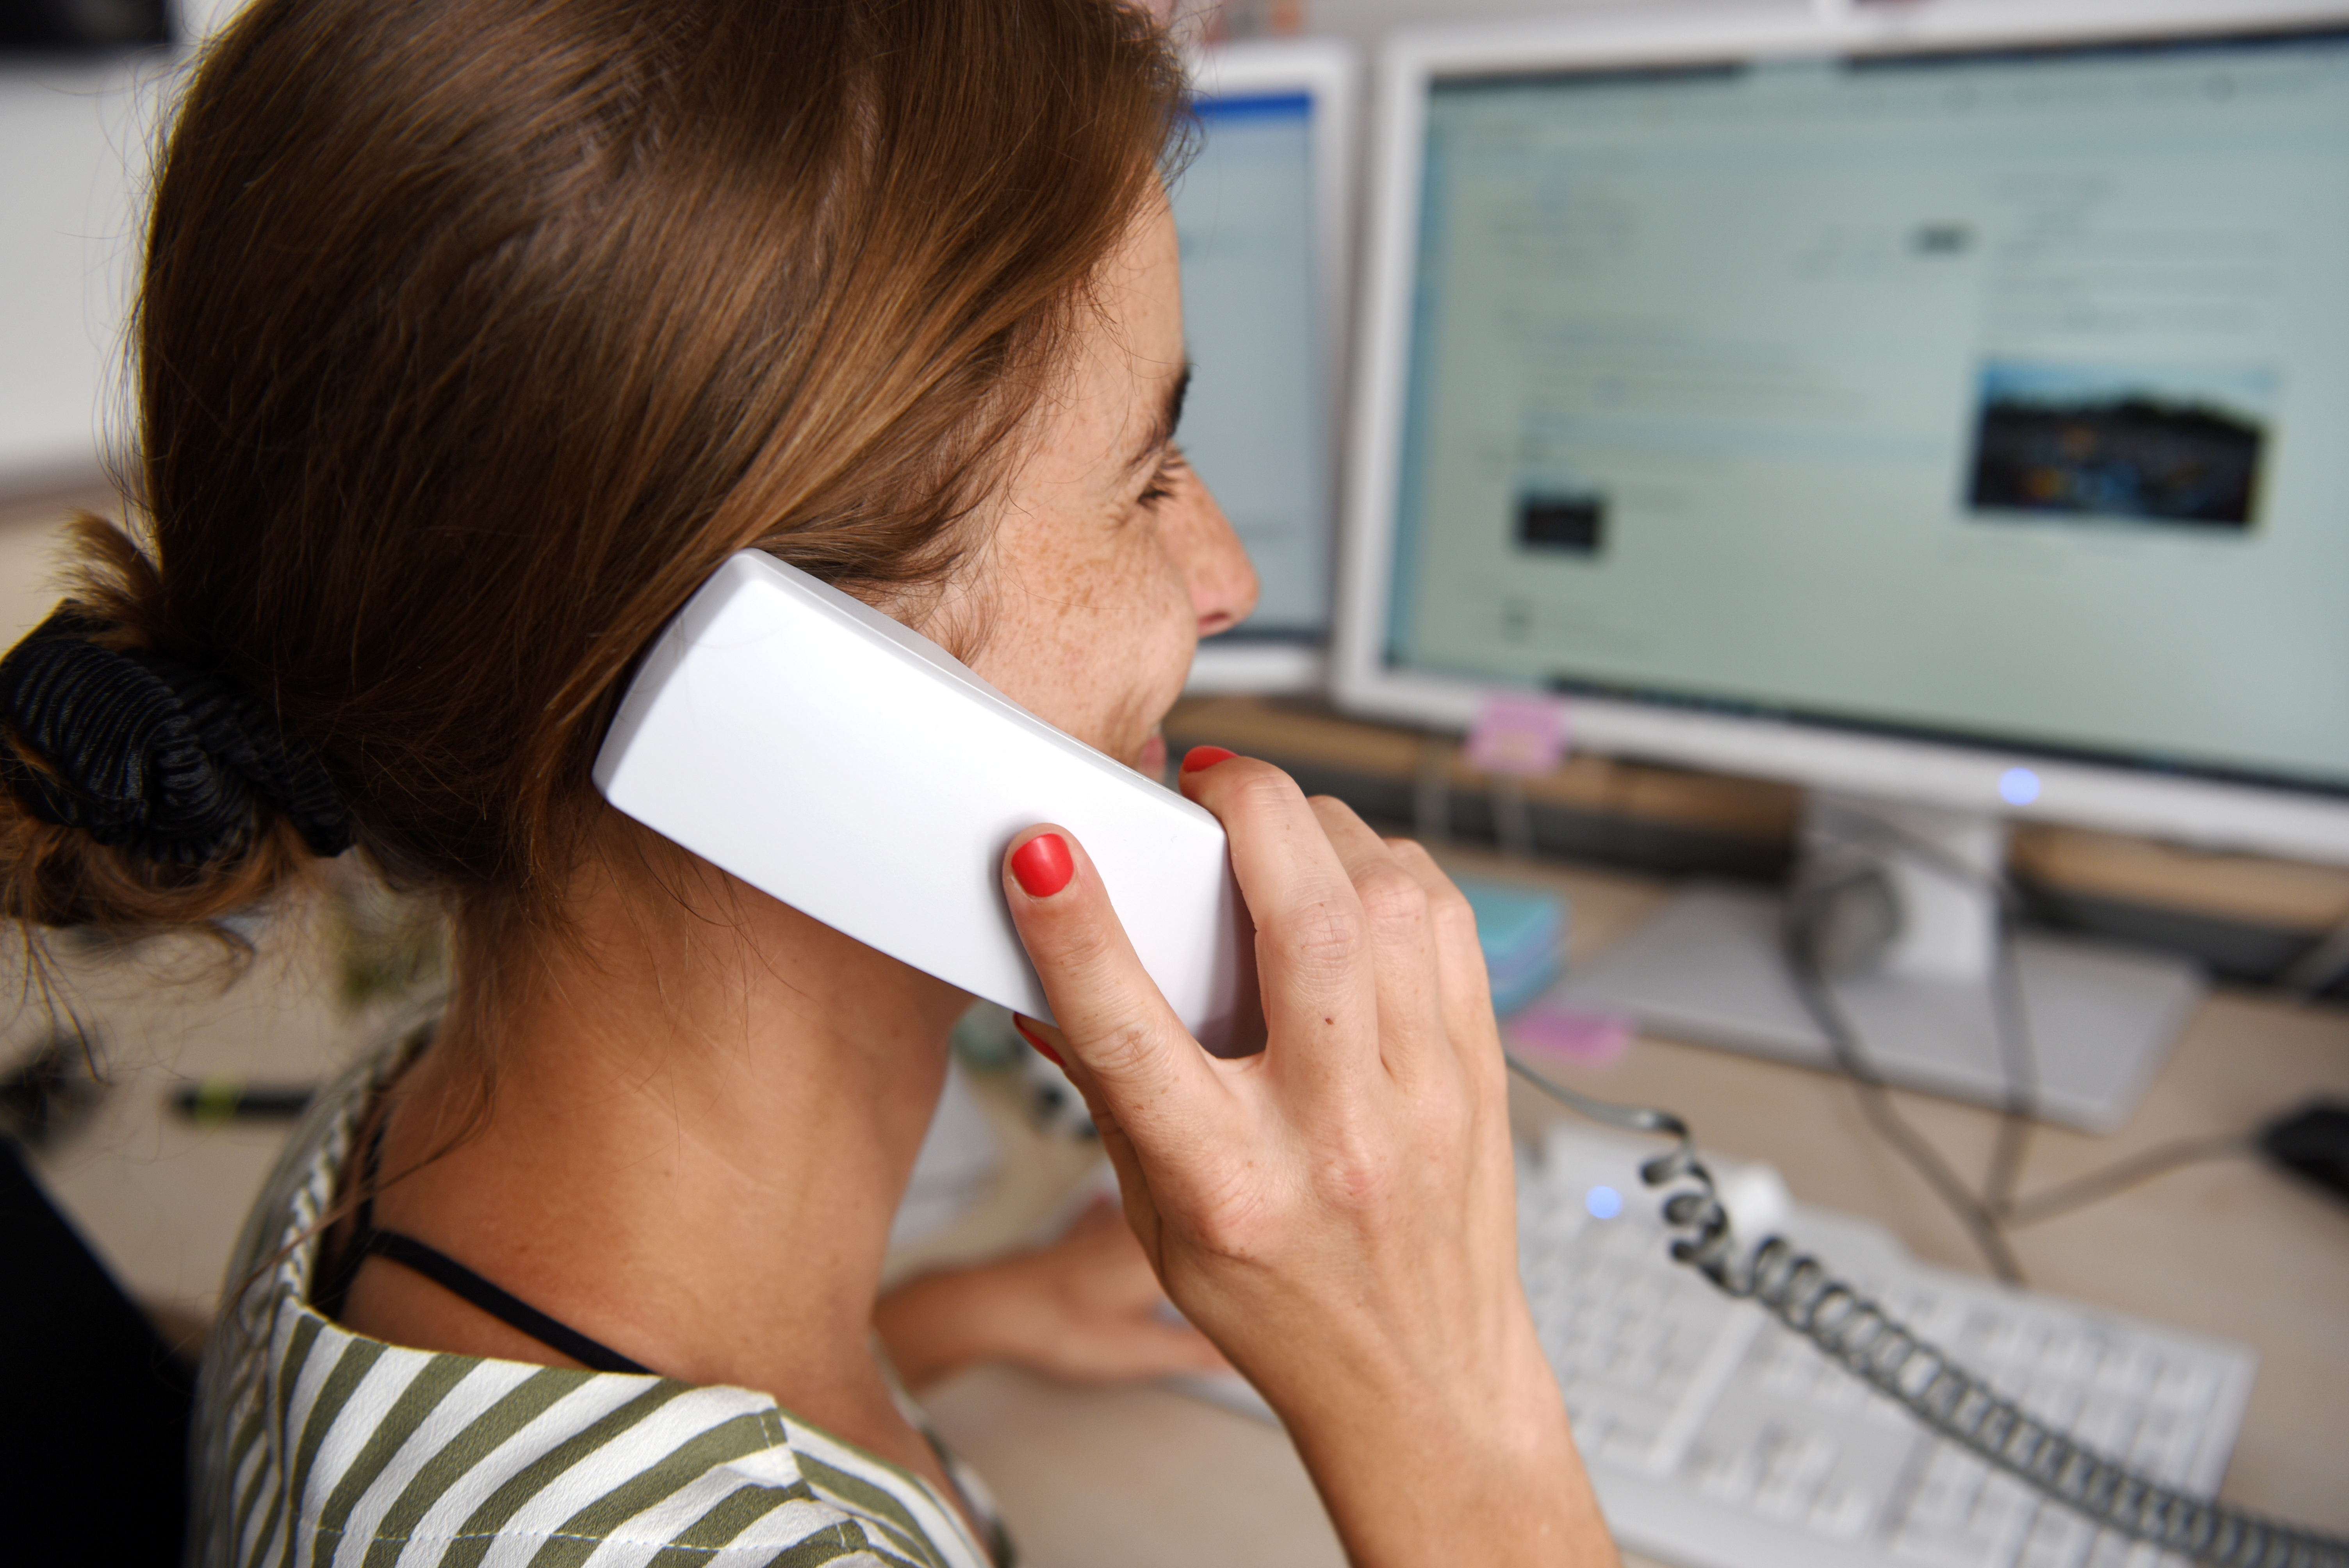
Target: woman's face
pixel 1109 560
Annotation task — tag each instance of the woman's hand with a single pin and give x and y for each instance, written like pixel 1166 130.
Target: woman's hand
pixel 1086 1309
pixel 1338 1211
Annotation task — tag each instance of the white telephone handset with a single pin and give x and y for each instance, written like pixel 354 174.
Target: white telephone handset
pixel 806 743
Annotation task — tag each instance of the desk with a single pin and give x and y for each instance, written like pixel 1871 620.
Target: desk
pixel 1142 1477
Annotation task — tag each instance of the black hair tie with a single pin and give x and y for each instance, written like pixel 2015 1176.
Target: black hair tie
pixel 151 755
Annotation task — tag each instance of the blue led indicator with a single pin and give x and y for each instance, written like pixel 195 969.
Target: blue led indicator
pixel 1604 1202
pixel 2018 786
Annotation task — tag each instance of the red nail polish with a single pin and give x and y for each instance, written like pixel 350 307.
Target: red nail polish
pixel 1037 1040
pixel 1043 865
pixel 1201 758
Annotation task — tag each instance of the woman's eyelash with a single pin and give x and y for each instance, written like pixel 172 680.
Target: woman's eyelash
pixel 1162 480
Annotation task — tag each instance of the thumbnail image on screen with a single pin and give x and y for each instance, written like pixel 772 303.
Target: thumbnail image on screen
pixel 1996 396
pixel 2121 443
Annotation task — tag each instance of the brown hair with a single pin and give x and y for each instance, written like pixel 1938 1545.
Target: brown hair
pixel 474 334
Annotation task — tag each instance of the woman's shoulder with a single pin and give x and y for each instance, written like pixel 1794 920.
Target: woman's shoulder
pixel 353 1445
pixel 316 1445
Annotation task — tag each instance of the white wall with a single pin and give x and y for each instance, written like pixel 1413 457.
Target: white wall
pixel 73 151
pixel 67 147
pixel 74 143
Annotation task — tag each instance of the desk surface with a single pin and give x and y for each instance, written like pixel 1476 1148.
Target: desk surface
pixel 2231 1250
pixel 1141 1477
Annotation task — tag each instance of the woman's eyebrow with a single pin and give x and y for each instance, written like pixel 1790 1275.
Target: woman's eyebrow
pixel 1162 428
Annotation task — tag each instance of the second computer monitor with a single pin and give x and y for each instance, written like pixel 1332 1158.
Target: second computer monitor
pixel 1260 210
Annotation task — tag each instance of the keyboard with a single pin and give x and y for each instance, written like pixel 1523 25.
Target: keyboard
pixel 1717 1438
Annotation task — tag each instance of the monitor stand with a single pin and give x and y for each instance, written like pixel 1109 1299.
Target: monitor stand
pixel 1711 968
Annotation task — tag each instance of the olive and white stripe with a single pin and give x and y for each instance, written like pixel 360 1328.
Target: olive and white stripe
pixel 316 1448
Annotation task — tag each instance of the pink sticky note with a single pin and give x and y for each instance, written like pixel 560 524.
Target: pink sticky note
pixel 1592 1039
pixel 1517 732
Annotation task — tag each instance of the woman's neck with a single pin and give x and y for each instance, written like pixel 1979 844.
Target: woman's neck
pixel 705 1108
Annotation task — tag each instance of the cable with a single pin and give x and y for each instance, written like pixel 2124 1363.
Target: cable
pixel 2018 1064
pixel 1981 1214
pixel 2315 972
pixel 1876 1104
pixel 1996 1209
pixel 1859 1335
pixel 2123 1174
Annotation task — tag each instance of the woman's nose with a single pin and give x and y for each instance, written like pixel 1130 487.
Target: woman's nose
pixel 1214 563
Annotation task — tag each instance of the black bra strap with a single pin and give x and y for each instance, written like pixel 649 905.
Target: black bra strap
pixel 367 1240
pixel 507 1308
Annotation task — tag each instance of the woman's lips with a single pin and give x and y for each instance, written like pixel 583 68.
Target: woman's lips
pixel 1153 759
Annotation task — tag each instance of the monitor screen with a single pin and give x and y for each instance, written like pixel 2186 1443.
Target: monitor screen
pixel 1255 426
pixel 1996 396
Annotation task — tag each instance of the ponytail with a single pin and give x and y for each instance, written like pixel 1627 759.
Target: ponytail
pixel 141 790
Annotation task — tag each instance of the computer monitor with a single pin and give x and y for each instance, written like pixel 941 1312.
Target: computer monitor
pixel 1936 405
pixel 1262 216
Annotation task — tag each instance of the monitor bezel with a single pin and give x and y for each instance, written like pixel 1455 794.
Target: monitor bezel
pixel 1329 72
pixel 1954 773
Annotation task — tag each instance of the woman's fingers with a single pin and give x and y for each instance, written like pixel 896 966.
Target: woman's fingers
pixel 1124 1044
pixel 1133 1182
pixel 1321 999
pixel 1098 1313
pixel 1336 1213
pixel 1468 1004
pixel 1452 926
pixel 1399 918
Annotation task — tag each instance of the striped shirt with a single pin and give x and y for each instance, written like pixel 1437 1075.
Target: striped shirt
pixel 319 1448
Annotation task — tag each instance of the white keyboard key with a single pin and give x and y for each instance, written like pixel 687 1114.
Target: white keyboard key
pixel 2162 1454
pixel 2165 1443
pixel 2110 1551
pixel 1592 1428
pixel 1930 1549
pixel 2069 1353
pixel 1838 1389
pixel 1945 1496
pixel 2058 1539
pixel 1729 1478
pixel 1792 1475
pixel 2001 1515
pixel 1842 1512
pixel 2129 1370
pixel 1629 1445
pixel 2057 1404
pixel 2185 1384
pixel 1783 1499
pixel 1812 1457
pixel 1793 1369
pixel 1941 1320
pixel 2015 1342
pixel 2105 1425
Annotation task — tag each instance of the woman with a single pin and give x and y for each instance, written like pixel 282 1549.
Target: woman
pixel 474 335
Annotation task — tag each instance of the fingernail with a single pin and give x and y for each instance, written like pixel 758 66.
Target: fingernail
pixel 1201 758
pixel 1037 1040
pixel 1043 865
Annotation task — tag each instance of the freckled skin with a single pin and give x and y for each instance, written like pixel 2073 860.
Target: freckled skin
pixel 1101 576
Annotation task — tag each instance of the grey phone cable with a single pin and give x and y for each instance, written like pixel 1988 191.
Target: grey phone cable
pixel 1857 1334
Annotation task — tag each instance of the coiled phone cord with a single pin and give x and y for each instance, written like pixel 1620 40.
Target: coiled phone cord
pixel 1857 1334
